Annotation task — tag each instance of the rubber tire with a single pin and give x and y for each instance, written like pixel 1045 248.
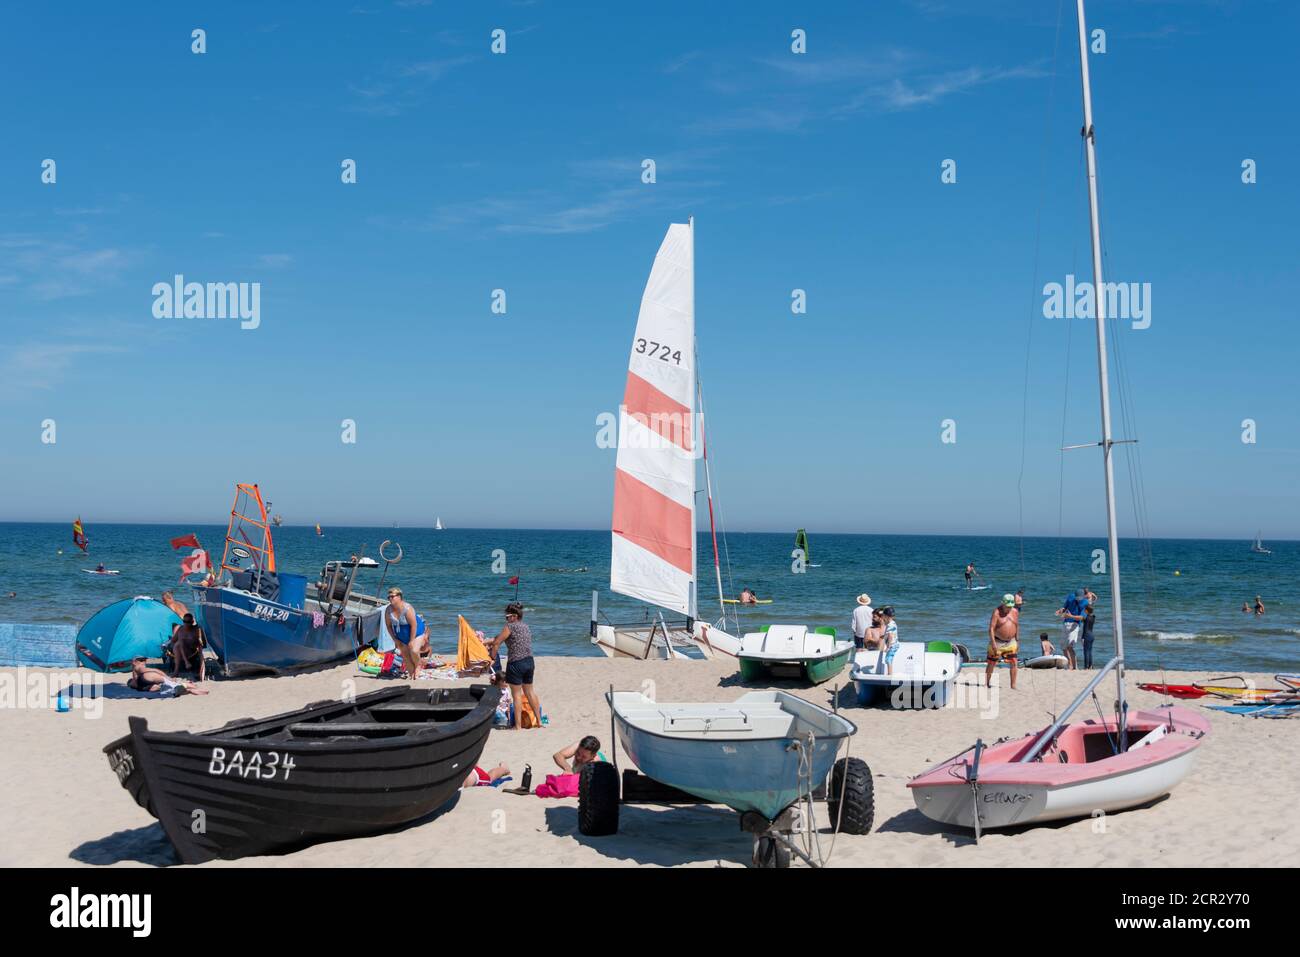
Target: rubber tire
pixel 769 852
pixel 598 799
pixel 859 796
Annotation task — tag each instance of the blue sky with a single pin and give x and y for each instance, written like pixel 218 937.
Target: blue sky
pixel 521 171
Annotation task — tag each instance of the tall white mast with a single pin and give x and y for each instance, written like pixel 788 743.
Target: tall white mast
pixel 708 477
pixel 1107 445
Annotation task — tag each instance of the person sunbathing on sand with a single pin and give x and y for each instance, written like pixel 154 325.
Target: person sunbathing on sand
pixel 144 678
pixel 570 760
pixel 478 778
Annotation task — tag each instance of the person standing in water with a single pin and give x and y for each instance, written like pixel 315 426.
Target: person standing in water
pixel 520 669
pixel 1004 639
pixel 1259 606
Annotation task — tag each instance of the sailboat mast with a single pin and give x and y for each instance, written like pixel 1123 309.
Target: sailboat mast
pixel 704 443
pixel 1099 299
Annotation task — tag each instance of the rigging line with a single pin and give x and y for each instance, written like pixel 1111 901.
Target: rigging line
pixel 1033 292
pixel 1133 461
pixel 721 522
pixel 1065 405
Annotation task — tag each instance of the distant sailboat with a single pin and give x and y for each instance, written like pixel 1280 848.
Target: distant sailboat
pixel 318 531
pixel 801 542
pixel 277 521
pixel 1258 548
pixel 437 524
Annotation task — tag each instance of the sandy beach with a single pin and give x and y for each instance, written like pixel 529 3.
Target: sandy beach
pixel 63 805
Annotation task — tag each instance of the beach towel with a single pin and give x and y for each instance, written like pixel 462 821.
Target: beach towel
pixel 558 786
pixel 470 650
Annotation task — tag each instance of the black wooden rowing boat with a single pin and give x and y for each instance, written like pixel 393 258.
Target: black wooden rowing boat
pixel 334 769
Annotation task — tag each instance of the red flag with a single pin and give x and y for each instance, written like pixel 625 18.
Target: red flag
pixel 197 562
pixel 186 541
pixel 514 580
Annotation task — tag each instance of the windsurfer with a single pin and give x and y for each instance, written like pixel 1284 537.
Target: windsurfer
pixel 1004 639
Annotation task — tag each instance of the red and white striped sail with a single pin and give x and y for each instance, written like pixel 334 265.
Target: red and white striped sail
pixel 654 482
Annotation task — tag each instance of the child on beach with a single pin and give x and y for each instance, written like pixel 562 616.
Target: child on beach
pixel 889 637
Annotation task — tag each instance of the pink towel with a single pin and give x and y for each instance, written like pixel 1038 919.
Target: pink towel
pixel 558 786
pixel 317 619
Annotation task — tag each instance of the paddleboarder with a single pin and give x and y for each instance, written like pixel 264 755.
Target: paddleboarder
pixel 1004 639
pixel 970 574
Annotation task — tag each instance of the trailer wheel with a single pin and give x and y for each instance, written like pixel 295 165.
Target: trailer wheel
pixel 769 852
pixel 598 799
pixel 851 779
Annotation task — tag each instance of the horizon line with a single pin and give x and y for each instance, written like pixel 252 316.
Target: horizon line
pixel 815 531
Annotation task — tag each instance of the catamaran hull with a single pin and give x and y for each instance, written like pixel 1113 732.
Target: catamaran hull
pixel 645 642
pixel 253 635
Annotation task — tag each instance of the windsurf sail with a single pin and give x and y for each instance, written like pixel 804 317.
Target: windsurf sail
pixel 79 535
pixel 653 555
pixel 801 541
pixel 318 531
pixel 249 532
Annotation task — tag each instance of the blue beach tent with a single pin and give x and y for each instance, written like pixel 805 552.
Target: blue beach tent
pixel 125 629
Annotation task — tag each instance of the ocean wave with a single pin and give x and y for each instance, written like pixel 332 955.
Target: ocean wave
pixel 1185 636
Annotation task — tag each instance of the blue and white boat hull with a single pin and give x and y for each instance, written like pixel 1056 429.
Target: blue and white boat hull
pixel 254 635
pixel 740 754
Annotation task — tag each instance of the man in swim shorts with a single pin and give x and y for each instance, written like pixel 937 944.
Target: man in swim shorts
pixel 1004 639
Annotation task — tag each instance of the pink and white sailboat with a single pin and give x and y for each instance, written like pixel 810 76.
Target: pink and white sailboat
pixel 660 441
pixel 1085 767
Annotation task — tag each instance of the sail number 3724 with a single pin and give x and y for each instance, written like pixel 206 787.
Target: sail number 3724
pixel 658 350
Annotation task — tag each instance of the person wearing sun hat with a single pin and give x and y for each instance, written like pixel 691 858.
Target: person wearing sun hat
pixel 1004 638
pixel 861 619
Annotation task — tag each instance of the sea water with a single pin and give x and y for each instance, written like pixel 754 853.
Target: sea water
pixel 1191 620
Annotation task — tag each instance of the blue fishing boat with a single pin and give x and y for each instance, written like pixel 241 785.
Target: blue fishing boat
pixel 260 620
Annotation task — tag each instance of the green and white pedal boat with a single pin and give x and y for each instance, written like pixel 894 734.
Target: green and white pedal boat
pixel 793 651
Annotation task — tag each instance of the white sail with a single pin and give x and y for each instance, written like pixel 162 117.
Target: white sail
pixel 654 481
